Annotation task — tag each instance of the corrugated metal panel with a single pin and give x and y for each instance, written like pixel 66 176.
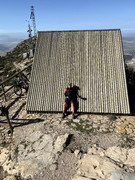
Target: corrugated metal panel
pixel 92 60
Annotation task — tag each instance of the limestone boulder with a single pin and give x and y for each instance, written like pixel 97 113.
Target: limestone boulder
pixel 102 164
pixel 60 143
pixel 117 154
pixel 94 166
pixel 35 152
pixel 131 157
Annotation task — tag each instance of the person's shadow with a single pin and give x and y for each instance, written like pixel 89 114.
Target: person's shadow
pixel 76 102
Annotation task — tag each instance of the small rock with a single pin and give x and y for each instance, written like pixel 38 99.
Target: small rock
pixel 56 123
pixel 130 170
pixel 74 125
pixel 76 152
pixel 10 178
pixel 1 128
pixel 95 125
pixel 76 120
pixel 64 121
pixel 83 117
pixel 128 130
pixel 70 117
pixel 53 167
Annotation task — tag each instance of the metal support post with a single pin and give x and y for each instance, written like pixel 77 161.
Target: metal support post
pixel 5 112
pixel 4 92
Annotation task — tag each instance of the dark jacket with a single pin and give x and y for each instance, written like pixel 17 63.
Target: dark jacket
pixel 70 93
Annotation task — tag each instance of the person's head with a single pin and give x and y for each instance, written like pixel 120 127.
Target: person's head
pixel 69 85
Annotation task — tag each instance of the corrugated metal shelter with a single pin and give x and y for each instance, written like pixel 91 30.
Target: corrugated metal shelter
pixel 90 59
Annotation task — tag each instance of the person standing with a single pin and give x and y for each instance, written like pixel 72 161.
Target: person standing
pixel 69 99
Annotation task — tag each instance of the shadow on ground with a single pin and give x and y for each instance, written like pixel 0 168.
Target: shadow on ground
pixel 22 122
pixel 18 111
pixel 130 76
pixel 16 121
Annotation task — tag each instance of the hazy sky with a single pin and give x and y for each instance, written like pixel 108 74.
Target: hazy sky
pixel 67 14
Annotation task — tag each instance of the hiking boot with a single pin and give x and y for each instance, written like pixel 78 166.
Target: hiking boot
pixel 63 116
pixel 73 116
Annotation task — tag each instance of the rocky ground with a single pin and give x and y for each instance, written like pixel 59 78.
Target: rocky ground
pixel 46 147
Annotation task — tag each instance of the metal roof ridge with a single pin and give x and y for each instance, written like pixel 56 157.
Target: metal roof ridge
pixel 79 30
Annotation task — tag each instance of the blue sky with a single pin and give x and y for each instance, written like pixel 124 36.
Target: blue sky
pixel 67 14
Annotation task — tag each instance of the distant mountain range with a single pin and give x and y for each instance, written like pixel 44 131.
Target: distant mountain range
pixel 129 49
pixel 6 48
pixel 10 41
pixel 128 42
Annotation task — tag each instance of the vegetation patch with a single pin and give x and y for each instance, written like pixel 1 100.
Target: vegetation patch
pixel 81 126
pixel 112 117
pixel 16 150
pixel 69 123
pixel 127 142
